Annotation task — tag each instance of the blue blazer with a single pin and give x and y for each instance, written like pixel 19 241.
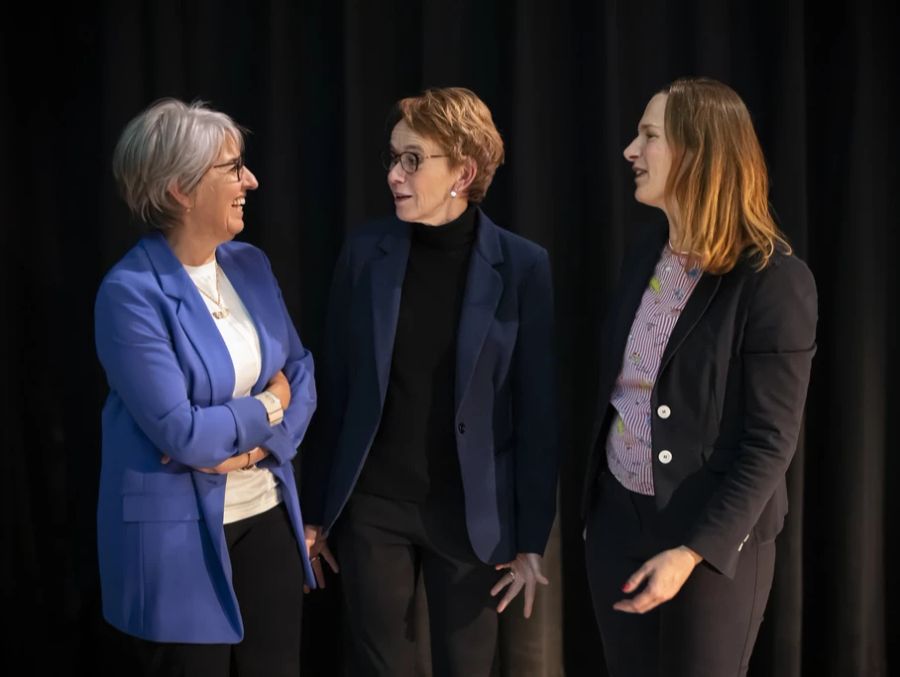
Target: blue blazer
pixel 505 424
pixel 164 568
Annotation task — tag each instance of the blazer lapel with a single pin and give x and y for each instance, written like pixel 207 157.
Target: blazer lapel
pixel 196 321
pixel 484 287
pixel 697 304
pixel 260 306
pixel 635 283
pixel 386 275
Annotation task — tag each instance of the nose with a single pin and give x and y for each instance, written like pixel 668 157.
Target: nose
pixel 249 179
pixel 396 174
pixel 632 151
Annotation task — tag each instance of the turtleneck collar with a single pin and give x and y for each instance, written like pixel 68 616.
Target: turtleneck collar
pixel 457 233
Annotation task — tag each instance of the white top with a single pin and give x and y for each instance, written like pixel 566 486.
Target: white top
pixel 255 490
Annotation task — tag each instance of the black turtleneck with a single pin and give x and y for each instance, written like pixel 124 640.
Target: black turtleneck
pixel 414 456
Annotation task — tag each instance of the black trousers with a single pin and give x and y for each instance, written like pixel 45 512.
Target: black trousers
pixel 267 574
pixel 383 545
pixel 707 630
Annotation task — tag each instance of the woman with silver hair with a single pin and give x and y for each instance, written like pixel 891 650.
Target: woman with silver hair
pixel 211 391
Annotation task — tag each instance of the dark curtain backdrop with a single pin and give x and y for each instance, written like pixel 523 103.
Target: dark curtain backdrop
pixel 567 82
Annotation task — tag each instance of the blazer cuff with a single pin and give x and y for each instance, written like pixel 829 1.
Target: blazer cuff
pixel 723 557
pixel 251 423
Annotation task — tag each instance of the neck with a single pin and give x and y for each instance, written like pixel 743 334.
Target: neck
pixel 191 251
pixel 454 211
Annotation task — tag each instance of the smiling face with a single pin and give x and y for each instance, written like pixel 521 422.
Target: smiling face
pixel 650 156
pixel 217 213
pixel 424 195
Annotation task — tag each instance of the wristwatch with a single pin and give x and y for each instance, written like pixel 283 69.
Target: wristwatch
pixel 273 406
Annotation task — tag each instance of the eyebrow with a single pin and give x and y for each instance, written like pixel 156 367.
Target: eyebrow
pixel 647 125
pixel 408 147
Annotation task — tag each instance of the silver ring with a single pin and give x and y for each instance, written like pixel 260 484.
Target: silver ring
pixel 512 574
pixel 313 559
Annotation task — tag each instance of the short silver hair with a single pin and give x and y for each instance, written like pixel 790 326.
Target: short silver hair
pixel 170 142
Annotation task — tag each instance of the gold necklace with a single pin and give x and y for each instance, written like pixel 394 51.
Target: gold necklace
pixel 223 311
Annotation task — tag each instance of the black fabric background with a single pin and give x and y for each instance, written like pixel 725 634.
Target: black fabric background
pixel 567 82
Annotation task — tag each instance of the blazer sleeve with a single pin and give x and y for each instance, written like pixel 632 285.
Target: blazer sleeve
pixel 775 362
pixel 534 409
pixel 142 368
pixel 333 388
pixel 299 370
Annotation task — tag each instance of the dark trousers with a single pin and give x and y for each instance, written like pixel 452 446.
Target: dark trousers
pixel 383 545
pixel 268 581
pixel 707 630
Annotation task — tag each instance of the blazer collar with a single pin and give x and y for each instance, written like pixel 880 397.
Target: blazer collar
pixel 195 320
pixel 484 288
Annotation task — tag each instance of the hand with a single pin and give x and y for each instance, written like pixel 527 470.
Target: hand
pixel 281 388
pixel 318 548
pixel 245 460
pixel 664 574
pixel 524 572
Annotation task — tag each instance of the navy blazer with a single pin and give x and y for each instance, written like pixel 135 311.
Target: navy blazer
pixel 505 424
pixel 165 573
pixel 733 378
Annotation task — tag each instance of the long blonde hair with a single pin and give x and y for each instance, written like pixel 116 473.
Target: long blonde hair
pixel 718 178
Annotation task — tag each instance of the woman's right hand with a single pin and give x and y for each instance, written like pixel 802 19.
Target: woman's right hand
pixel 281 388
pixel 317 544
pixel 236 462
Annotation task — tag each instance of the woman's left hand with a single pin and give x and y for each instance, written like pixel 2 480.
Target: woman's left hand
pixel 523 572
pixel 665 574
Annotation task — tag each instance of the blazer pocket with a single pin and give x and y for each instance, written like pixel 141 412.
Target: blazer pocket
pixel 160 508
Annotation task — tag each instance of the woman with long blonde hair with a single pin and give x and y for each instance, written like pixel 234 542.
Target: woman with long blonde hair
pixel 706 355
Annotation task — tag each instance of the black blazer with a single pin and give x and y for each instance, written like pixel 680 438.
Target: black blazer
pixel 505 391
pixel 731 389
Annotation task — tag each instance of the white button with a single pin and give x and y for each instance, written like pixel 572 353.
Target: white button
pixel 746 538
pixel 664 411
pixel 665 456
pixel 740 547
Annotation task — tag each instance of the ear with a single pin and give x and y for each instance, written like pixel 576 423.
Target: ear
pixel 468 172
pixel 180 196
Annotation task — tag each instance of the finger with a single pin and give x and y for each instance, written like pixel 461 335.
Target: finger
pixel 510 595
pixel 499 585
pixel 319 574
pixel 540 578
pixel 329 557
pixel 636 578
pixel 306 589
pixel 165 459
pixel 640 604
pixel 530 588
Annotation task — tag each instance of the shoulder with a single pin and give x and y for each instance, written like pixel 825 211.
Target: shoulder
pixel 784 273
pixel 242 253
pixel 371 232
pixel 134 270
pixel 519 250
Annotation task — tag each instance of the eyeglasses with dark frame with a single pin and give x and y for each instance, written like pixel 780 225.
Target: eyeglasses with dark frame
pixel 236 166
pixel 408 160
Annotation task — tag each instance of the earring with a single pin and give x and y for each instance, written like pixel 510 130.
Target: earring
pixel 452 193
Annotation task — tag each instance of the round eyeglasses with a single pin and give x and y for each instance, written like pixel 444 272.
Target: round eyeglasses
pixel 408 160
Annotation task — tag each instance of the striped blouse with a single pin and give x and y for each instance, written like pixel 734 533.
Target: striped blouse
pixel 629 444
